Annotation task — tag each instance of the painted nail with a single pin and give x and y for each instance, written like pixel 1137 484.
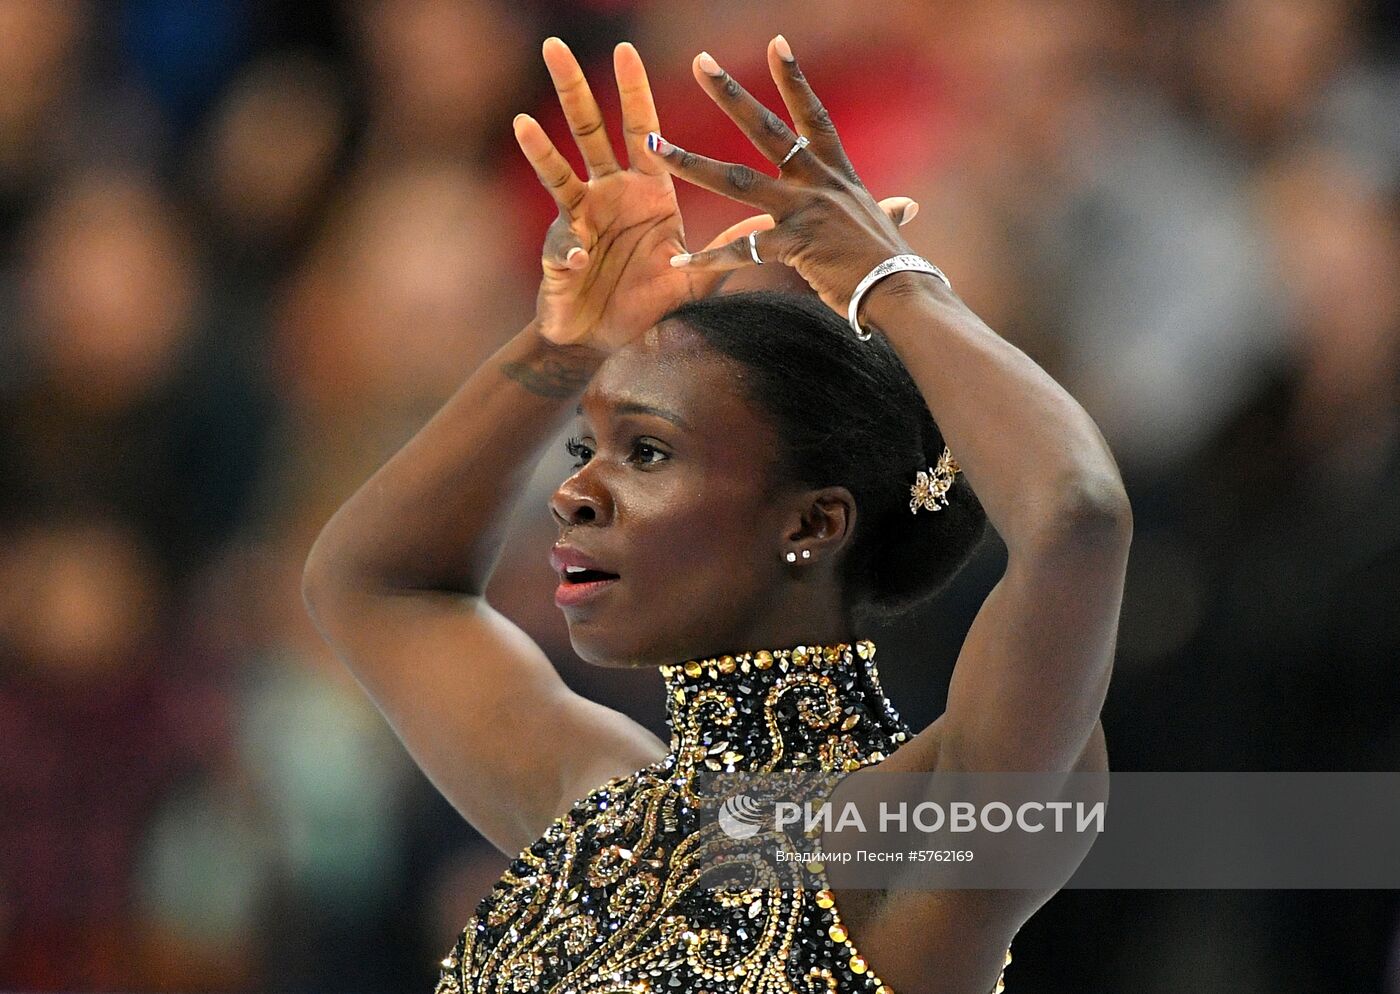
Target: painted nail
pixel 680 260
pixel 710 66
pixel 910 209
pixel 784 49
pixel 657 144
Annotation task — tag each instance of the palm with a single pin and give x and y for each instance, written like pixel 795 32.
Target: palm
pixel 625 221
pixel 630 225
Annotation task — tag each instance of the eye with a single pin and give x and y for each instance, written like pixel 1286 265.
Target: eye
pixel 640 446
pixel 578 450
pixel 646 453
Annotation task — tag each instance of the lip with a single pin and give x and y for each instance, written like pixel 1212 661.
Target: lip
pixel 568 594
pixel 561 556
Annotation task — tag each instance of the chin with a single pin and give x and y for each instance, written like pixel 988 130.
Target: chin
pixel 598 645
pixel 605 645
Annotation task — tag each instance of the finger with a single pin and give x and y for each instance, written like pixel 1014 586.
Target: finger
pixel 729 179
pixel 901 210
pixel 638 107
pixel 563 248
pixel 554 171
pixel 759 222
pixel 708 282
pixel 580 109
pixel 769 132
pixel 732 255
pixel 806 109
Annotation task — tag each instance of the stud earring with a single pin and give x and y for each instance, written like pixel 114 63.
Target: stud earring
pixel 806 553
pixel 792 557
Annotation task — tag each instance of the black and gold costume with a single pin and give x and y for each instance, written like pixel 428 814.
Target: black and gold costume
pixel 620 895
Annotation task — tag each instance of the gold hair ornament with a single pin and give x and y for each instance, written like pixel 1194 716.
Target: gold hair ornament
pixel 930 488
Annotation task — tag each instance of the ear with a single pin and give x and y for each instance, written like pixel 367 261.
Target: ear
pixel 825 522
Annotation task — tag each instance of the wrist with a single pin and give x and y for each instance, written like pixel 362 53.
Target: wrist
pixel 573 354
pixel 549 369
pixel 896 292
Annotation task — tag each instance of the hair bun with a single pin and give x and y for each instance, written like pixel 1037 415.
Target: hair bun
pixel 848 413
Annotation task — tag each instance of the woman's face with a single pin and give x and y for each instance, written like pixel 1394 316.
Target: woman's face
pixel 672 495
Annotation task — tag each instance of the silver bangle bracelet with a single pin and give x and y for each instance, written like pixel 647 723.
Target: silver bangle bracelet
pixel 894 264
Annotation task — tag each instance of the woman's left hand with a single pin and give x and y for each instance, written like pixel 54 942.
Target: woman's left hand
pixel 828 226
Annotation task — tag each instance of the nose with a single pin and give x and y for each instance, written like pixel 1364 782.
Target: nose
pixel 579 500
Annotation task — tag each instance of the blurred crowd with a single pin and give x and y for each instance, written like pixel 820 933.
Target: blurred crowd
pixel 247 248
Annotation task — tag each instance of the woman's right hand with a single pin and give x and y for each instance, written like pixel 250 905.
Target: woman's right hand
pixel 607 257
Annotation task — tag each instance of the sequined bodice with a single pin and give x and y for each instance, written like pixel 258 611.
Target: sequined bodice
pixel 620 893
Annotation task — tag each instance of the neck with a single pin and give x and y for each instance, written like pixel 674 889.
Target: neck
pixel 791 707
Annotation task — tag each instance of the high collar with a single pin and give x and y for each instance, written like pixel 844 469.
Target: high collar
pixel 797 707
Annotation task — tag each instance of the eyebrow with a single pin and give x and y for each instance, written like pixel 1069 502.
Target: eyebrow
pixel 636 407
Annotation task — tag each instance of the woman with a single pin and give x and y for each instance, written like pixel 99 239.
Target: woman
pixel 747 467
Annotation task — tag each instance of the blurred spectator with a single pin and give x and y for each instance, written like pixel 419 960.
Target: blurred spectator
pixel 442 75
pixel 1120 205
pixel 39 56
pixel 402 294
pixel 266 161
pixel 112 291
pixel 1292 505
pixel 1261 66
pixel 122 406
pixel 1265 559
pixel 330 778
pixel 103 708
pixel 408 288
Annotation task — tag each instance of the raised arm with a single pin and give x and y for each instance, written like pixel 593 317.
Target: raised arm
pixel 1033 672
pixel 1031 677
pixel 395 580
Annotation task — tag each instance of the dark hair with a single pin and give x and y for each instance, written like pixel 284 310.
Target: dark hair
pixel 848 413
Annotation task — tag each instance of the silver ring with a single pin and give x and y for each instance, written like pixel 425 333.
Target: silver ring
pixel 753 247
pixel 802 142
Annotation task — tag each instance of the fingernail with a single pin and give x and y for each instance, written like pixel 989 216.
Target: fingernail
pixel 658 144
pixel 680 260
pixel 710 66
pixel 784 49
pixel 572 254
pixel 910 209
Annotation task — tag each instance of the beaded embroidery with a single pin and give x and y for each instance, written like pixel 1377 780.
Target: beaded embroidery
pixel 631 891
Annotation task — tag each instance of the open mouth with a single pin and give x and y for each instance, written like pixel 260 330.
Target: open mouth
pixel 573 575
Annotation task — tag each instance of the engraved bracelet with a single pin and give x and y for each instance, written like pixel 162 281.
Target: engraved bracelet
pixel 894 264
